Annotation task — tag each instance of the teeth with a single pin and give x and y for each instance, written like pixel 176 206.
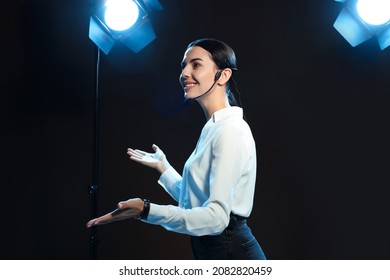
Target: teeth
pixel 188 86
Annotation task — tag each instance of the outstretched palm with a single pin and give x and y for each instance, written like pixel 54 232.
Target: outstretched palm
pixel 155 160
pixel 131 208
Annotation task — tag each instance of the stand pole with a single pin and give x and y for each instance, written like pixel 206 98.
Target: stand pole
pixel 93 189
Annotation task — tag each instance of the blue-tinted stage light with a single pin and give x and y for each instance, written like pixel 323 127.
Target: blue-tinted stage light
pixel 359 20
pixel 126 21
pixel 121 14
pixel 375 12
pixel 130 25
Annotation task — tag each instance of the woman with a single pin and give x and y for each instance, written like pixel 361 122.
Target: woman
pixel 215 193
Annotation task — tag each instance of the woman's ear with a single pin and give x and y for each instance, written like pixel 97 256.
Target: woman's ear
pixel 225 76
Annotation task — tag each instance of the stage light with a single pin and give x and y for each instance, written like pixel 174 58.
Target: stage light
pixel 375 12
pixel 359 20
pixel 126 21
pixel 121 14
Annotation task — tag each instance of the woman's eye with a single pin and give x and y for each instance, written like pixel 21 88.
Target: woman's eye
pixel 196 65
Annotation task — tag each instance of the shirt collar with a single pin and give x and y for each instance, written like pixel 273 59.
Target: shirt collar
pixel 227 112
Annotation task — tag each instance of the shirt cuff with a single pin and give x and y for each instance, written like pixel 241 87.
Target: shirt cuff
pixel 169 178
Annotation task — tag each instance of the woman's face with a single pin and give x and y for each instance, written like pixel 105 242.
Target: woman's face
pixel 198 72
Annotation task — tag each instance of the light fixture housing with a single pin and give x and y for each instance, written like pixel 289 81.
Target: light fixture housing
pixel 356 30
pixel 136 37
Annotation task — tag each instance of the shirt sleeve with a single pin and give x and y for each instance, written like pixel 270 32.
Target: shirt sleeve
pixel 171 180
pixel 213 216
pixel 196 221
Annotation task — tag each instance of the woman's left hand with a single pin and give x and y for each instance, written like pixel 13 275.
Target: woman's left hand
pixel 128 209
pixel 156 160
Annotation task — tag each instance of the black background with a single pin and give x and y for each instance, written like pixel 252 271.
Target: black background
pixel 318 109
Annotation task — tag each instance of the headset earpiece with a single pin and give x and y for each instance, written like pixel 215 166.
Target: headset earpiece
pixel 217 75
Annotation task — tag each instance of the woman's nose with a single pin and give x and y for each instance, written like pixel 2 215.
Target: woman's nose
pixel 185 72
pixel 183 75
pixel 181 78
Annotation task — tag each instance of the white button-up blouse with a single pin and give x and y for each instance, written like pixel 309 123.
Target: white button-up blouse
pixel 218 178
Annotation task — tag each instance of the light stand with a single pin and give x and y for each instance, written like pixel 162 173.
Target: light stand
pixel 93 189
pixel 135 36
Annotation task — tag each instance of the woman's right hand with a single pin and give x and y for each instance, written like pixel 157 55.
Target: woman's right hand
pixel 156 160
pixel 131 208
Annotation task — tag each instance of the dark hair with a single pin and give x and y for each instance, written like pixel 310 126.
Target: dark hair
pixel 224 57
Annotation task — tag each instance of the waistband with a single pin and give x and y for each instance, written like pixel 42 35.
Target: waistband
pixel 236 220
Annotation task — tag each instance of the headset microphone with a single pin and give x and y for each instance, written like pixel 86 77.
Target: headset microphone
pixel 216 78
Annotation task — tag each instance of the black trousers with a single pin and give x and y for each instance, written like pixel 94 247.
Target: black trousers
pixel 236 242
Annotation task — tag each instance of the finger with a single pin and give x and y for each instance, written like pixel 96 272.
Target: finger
pixel 107 218
pixel 94 222
pixel 135 153
pixel 130 203
pixel 125 204
pixel 90 223
pixel 155 147
pixel 140 152
pixel 139 160
pixel 134 156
